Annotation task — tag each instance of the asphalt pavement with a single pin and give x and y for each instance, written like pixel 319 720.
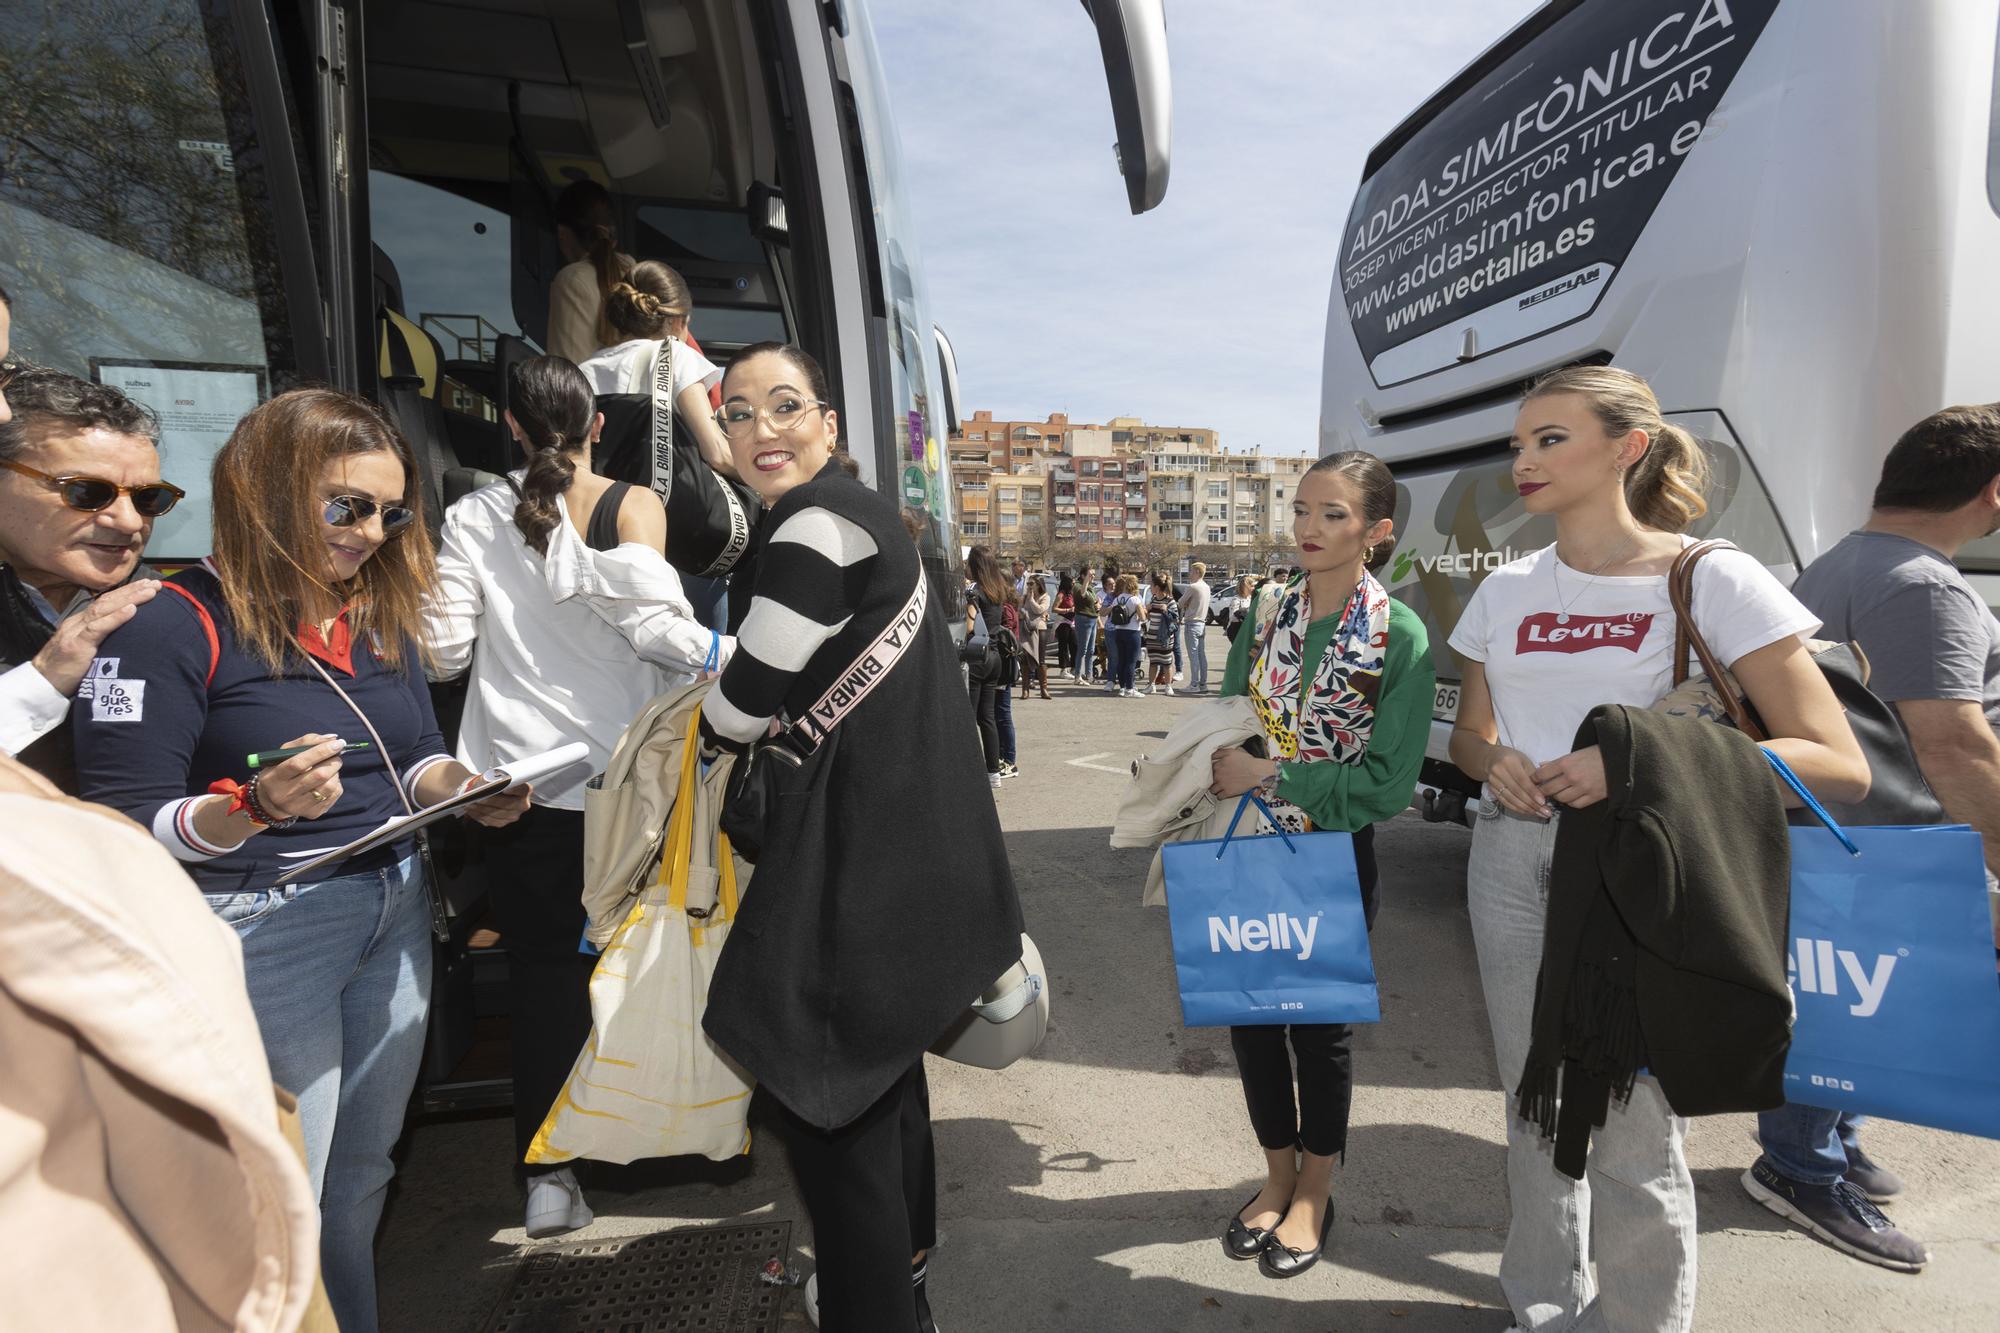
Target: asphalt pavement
pixel 1086 1189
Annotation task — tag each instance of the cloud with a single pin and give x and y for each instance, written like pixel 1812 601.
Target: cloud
pixel 1210 310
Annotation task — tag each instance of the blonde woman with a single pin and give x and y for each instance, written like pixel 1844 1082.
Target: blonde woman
pixel 1592 450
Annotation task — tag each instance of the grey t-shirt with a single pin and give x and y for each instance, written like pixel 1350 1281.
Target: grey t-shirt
pixel 1927 634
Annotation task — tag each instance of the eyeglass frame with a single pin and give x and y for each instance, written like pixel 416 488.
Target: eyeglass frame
pixel 372 507
pixel 765 414
pixel 58 482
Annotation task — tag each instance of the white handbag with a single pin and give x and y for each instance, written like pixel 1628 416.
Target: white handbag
pixel 650 1082
pixel 1007 1022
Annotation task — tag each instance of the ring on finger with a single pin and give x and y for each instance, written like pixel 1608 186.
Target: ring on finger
pixel 319 795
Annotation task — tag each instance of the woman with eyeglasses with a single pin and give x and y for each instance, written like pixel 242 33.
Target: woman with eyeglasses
pixel 553 591
pixel 304 630
pixel 883 903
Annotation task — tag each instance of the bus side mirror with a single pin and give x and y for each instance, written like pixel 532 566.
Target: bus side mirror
pixel 1132 34
pixel 948 362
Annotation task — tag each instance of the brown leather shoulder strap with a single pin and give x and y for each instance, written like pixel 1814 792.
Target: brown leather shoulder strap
pixel 1687 635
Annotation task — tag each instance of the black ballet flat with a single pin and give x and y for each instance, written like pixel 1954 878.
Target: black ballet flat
pixel 1280 1260
pixel 1245 1242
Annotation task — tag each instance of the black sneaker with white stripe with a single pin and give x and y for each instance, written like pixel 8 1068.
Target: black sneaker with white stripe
pixel 1838 1214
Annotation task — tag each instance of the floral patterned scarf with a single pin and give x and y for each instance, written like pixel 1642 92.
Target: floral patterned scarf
pixel 1339 710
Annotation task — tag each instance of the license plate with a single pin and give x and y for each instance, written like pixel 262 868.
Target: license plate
pixel 1445 708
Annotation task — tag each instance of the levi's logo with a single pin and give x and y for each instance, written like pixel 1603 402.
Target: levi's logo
pixel 1544 633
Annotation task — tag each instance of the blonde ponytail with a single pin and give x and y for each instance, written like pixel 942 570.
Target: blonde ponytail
pixel 1665 488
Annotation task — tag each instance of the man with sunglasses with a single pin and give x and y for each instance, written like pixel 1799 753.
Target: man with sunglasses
pixel 80 487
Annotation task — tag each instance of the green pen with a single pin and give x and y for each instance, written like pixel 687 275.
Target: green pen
pixel 265 758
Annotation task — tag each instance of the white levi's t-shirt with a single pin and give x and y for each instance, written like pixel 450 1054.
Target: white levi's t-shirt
pixel 1557 643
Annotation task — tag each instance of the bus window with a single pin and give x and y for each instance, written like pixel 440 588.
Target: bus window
pixel 1454 526
pixel 727 272
pixel 452 257
pixel 911 446
pixel 1993 136
pixel 138 241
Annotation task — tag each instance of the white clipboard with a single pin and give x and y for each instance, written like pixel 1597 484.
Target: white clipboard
pixel 398 827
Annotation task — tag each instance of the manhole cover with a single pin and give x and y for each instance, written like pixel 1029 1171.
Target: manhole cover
pixel 702 1279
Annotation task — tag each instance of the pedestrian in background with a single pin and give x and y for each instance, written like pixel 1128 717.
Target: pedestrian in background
pixel 1194 627
pixel 1343 682
pixel 1125 618
pixel 1162 634
pixel 1591 450
pixel 1035 629
pixel 986 592
pixel 1065 616
pixel 1933 651
pixel 1089 616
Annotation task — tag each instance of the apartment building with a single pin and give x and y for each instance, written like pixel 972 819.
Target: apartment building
pixel 1212 497
pixel 1098 485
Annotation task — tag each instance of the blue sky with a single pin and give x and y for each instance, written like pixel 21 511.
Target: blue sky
pixel 1211 309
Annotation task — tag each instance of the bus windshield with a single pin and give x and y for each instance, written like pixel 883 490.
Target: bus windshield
pixel 139 247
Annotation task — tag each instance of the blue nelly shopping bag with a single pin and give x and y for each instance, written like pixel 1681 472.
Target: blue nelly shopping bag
pixel 1892 965
pixel 1269 929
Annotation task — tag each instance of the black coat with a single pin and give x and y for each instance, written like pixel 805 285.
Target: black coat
pixel 1668 906
pixel 882 904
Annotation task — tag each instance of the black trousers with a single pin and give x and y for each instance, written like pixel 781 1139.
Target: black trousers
pixel 1065 646
pixel 983 686
pixel 535 866
pixel 871 1190
pixel 1317 1120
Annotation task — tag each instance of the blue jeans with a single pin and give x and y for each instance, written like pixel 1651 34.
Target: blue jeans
pixel 1086 646
pixel 1811 1144
pixel 1003 721
pixel 1195 636
pixel 339 975
pixel 1125 656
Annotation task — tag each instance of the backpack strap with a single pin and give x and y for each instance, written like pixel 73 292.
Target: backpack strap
pixel 207 627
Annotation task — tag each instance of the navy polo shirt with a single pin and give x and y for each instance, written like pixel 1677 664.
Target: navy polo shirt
pixel 154 729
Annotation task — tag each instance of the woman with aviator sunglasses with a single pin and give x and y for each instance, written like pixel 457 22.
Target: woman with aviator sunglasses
pixel 304 629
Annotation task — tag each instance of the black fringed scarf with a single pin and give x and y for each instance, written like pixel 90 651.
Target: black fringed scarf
pixel 1664 945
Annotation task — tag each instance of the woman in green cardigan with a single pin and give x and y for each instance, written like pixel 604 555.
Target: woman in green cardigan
pixel 1342 681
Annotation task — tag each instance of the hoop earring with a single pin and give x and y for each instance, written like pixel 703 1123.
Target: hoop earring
pixel 1368 556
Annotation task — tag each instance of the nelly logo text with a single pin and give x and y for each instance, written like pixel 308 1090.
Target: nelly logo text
pixel 1547 632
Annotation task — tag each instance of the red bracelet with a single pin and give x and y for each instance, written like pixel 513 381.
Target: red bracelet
pixel 238 794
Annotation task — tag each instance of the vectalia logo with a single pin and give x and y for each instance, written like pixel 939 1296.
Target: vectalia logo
pixel 1276 931
pixel 1815 967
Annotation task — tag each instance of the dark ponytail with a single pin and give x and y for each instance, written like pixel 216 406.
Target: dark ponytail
pixel 551 401
pixel 1371 478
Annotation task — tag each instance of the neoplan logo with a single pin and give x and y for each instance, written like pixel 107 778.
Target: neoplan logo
pixel 1815 967
pixel 1276 931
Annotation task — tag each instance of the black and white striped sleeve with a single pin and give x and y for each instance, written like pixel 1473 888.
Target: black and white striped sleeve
pixel 810 579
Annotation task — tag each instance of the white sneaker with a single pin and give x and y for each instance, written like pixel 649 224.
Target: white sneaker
pixel 555 1205
pixel 1170 691
pixel 1179 676
pixel 993 781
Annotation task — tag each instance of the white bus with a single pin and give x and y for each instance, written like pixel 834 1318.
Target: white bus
pixel 1785 214
pixel 208 201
